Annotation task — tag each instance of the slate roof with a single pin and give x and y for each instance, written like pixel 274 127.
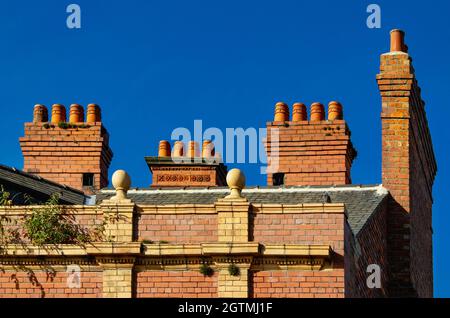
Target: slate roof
pixel 19 183
pixel 360 201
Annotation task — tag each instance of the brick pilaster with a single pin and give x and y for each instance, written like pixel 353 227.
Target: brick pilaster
pixel 233 217
pixel 230 286
pixel 118 279
pixel 119 216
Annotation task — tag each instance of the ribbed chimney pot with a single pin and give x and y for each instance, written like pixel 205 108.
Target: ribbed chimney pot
pixel 208 150
pixel 178 149
pixel 164 149
pixel 193 149
pixel 317 112
pixel 58 113
pixel 76 114
pixel 299 112
pixel 335 111
pixel 397 41
pixel 281 112
pixel 93 113
pixel 40 114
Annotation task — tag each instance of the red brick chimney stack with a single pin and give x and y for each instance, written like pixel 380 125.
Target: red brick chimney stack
pixel 314 152
pixel 73 153
pixel 408 171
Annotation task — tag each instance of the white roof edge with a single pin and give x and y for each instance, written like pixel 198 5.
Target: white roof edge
pixel 378 188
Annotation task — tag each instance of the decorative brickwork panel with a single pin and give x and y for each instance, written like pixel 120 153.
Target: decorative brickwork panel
pixel 175 284
pixel 21 284
pixel 298 284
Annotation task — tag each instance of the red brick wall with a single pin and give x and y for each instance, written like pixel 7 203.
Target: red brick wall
pixel 183 228
pixel 63 155
pixel 175 284
pixel 422 176
pixel 312 153
pixel 368 247
pixel 20 284
pixel 301 228
pixel 298 284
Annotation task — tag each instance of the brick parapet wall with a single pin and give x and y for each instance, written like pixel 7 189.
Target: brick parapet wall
pixel 126 259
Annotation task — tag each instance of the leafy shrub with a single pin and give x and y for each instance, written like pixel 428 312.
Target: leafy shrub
pixel 51 224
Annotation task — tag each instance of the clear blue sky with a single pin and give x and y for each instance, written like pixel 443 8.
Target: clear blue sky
pixel 157 65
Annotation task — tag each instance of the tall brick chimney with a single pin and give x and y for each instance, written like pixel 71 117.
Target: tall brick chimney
pixel 314 152
pixel 187 168
pixel 409 168
pixel 74 153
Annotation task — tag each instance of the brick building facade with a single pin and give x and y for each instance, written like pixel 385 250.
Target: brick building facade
pixel 199 232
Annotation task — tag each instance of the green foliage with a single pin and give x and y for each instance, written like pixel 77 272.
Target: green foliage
pixel 234 270
pixel 51 224
pixel 4 196
pixel 206 270
pixel 48 126
pixel 64 125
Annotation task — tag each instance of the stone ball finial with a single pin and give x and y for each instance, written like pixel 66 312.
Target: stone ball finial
pixel 236 182
pixel 121 181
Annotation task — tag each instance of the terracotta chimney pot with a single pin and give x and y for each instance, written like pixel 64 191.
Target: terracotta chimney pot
pixel 193 149
pixel 93 113
pixel 317 112
pixel 281 112
pixel 58 113
pixel 178 149
pixel 208 150
pixel 40 114
pixel 299 112
pixel 164 149
pixel 334 111
pixel 398 41
pixel 76 114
